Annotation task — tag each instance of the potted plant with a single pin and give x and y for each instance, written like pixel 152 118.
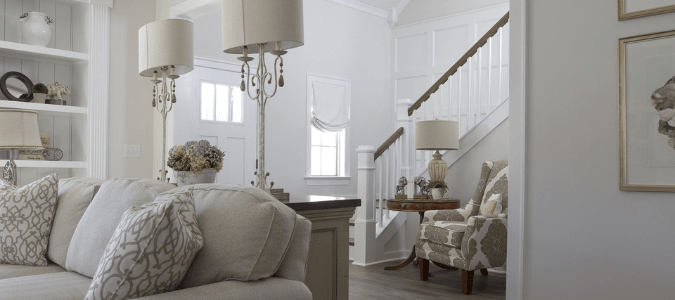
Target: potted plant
pixel 437 188
pixel 40 92
pixel 195 162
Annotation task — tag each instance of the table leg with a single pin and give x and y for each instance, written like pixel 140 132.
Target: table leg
pixel 405 262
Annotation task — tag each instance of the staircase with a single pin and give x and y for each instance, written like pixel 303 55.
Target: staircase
pixel 473 97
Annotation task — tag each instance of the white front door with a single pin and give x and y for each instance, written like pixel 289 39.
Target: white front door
pixel 217 111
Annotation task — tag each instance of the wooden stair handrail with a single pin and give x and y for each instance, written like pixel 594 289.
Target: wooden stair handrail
pixel 480 43
pixel 388 142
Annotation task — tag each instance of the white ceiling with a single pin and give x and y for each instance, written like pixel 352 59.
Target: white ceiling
pixel 381 4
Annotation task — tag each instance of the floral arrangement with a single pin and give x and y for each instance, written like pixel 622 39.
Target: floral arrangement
pixel 437 185
pixel 195 156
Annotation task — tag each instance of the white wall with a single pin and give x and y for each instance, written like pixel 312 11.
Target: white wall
pixel 585 239
pixel 462 177
pixel 340 42
pixel 424 10
pixel 131 112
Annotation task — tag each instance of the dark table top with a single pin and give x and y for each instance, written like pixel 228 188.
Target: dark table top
pixel 315 202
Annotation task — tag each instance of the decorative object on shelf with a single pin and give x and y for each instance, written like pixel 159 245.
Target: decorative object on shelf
pixel 165 46
pixel 57 89
pixel 647 112
pixel 266 26
pixel 400 188
pixel 631 9
pixel 437 188
pixel 36 28
pixel 195 162
pixel 437 135
pixel 18 131
pixel 56 102
pixel 40 92
pixel 52 154
pixel 421 191
pixel 16 87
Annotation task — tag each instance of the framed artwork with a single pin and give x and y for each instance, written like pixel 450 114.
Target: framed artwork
pixel 647 112
pixel 631 9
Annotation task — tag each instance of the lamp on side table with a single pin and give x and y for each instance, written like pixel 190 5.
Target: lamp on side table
pixel 18 131
pixel 437 135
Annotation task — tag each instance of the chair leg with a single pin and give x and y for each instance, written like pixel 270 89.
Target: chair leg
pixel 484 272
pixel 424 268
pixel 467 281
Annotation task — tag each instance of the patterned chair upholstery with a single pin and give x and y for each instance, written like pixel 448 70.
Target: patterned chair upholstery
pixel 462 238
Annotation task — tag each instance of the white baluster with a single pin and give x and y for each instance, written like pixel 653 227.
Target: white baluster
pixel 459 100
pixel 386 183
pixel 380 169
pixel 470 112
pixel 501 45
pixel 489 76
pixel 480 79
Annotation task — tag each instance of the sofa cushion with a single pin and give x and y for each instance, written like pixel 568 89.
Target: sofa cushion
pixel 151 250
pixel 102 216
pixel 264 289
pixel 442 232
pixel 55 286
pixel 75 194
pixel 11 271
pixel 26 216
pixel 246 234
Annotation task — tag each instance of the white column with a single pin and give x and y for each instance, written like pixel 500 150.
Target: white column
pixel 99 95
pixel 364 225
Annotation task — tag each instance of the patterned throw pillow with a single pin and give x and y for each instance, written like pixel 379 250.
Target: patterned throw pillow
pixel 151 250
pixel 492 206
pixel 26 216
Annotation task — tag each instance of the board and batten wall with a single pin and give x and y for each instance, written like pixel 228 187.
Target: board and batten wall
pixel 584 238
pixel 424 51
pixel 44 71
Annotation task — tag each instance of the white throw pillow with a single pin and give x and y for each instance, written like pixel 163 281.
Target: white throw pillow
pixel 150 251
pixel 26 217
pixel 492 206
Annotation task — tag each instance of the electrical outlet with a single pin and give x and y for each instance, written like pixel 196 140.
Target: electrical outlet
pixel 132 150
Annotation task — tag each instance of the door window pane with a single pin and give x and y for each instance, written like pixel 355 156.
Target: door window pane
pixel 237 105
pixel 208 98
pixel 222 103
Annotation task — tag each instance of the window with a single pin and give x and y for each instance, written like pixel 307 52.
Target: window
pixel 328 122
pixel 221 103
pixel 327 152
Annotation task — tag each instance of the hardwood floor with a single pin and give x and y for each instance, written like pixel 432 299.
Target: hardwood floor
pixel 373 283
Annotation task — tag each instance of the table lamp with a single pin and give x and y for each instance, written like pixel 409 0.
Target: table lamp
pixel 18 131
pixel 437 135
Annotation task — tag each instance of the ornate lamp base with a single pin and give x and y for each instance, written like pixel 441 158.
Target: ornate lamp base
pixel 437 168
pixel 9 171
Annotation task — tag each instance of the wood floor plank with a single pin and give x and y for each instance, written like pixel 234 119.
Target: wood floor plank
pixel 373 283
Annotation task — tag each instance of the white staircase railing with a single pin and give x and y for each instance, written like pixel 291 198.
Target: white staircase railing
pixel 472 94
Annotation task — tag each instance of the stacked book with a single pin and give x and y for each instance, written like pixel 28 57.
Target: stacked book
pixel 36 154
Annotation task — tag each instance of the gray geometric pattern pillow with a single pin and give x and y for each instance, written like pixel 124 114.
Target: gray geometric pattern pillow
pixel 150 251
pixel 26 216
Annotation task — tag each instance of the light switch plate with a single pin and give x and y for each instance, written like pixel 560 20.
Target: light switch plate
pixel 132 150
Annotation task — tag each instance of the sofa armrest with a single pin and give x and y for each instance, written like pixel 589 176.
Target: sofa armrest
pixel 484 242
pixel 263 289
pixel 294 265
pixel 458 215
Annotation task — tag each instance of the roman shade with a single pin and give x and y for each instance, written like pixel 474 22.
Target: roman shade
pixel 330 107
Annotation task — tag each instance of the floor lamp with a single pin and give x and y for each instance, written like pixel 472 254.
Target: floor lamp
pixel 259 26
pixel 18 131
pixel 165 52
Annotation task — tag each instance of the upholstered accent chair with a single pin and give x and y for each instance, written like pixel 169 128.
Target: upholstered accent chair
pixel 464 238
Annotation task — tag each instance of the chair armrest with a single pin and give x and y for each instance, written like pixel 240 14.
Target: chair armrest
pixel 268 288
pixel 458 215
pixel 484 242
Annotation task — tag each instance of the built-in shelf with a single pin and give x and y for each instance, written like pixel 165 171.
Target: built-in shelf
pixel 36 52
pixel 49 109
pixel 48 164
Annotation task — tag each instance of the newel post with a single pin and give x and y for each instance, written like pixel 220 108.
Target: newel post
pixel 364 225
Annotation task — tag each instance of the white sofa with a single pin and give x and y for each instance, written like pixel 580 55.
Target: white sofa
pixel 255 247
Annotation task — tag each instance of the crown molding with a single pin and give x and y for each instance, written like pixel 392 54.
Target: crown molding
pixel 363 7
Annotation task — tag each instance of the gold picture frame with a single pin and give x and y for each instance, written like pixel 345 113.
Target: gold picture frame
pixel 647 155
pixel 623 15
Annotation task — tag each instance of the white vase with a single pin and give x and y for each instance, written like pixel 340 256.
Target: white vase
pixel 36 29
pixel 188 177
pixel 39 98
pixel 437 193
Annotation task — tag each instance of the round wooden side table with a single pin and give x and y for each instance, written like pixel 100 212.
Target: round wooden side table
pixel 420 206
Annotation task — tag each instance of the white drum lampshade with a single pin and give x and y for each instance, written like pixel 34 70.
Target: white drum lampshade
pixel 165 43
pixel 19 130
pixel 437 135
pixel 252 22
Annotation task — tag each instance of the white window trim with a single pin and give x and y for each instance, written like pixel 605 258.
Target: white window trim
pixel 326 180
